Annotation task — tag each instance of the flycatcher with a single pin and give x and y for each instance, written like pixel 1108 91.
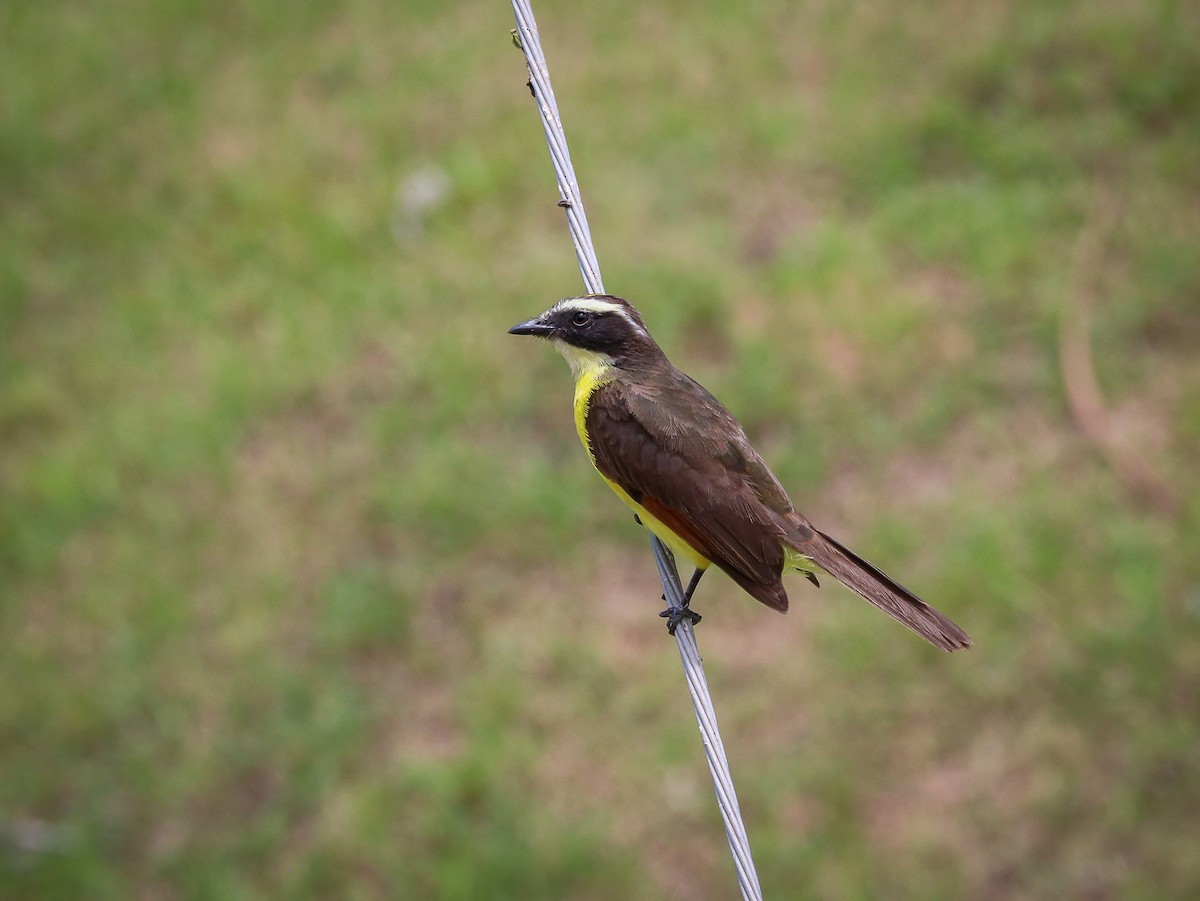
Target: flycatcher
pixel 673 453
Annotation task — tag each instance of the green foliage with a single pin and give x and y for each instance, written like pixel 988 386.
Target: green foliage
pixel 307 589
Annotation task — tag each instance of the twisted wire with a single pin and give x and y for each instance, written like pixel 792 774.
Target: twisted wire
pixel 527 39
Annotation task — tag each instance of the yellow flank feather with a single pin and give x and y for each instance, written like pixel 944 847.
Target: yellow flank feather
pixel 592 370
pixel 796 561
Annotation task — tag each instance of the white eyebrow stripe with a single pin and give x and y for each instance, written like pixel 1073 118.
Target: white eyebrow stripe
pixel 595 305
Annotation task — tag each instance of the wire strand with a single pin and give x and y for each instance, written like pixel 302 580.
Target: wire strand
pixel 527 39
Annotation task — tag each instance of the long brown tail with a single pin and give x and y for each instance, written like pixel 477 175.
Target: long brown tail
pixel 883 591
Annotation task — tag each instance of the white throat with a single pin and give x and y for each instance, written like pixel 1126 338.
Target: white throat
pixel 582 361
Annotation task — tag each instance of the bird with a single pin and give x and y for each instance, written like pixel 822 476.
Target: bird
pixel 683 463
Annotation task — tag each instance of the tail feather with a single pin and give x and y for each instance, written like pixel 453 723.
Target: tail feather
pixel 883 591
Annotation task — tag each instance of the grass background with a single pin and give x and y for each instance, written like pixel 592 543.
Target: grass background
pixel 307 589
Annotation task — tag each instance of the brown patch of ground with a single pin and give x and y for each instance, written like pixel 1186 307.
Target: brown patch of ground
pixel 978 458
pixel 289 466
pixel 769 214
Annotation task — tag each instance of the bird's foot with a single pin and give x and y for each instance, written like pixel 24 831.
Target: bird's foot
pixel 675 615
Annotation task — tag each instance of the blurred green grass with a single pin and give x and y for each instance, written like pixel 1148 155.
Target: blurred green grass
pixel 294 539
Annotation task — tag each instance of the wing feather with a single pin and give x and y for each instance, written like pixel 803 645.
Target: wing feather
pixel 697 473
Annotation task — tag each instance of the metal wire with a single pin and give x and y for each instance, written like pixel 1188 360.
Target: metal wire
pixel 526 38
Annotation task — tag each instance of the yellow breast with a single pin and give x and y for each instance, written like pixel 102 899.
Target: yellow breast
pixel 585 387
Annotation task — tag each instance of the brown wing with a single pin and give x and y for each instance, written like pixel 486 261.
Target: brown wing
pixel 675 450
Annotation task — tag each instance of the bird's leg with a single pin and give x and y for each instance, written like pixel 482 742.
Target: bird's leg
pixel 675 615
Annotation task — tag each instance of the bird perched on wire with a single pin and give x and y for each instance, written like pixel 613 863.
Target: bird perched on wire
pixel 673 453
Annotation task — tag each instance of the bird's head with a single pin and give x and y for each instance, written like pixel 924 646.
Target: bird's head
pixel 594 328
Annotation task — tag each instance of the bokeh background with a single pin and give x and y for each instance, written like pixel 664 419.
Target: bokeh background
pixel 306 588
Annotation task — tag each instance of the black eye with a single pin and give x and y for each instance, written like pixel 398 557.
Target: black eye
pixel 581 318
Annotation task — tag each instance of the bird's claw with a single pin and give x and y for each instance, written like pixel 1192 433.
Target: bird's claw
pixel 675 615
pixel 812 577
